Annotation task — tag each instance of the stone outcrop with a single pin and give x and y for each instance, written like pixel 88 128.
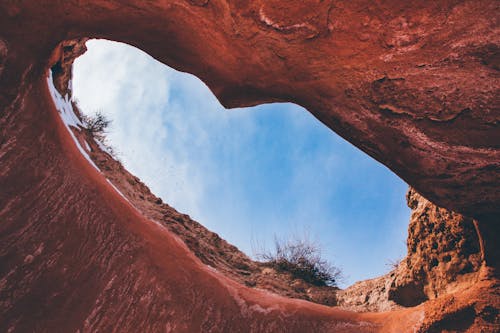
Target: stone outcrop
pixel 443 248
pixel 63 57
pixel 413 84
pixel 444 256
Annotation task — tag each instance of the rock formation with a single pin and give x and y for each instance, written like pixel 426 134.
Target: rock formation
pixel 444 256
pixel 413 84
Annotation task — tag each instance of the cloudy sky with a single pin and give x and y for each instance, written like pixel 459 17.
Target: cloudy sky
pixel 247 174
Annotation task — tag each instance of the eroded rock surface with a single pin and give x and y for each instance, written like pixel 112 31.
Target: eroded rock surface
pixel 444 256
pixel 443 248
pixel 413 84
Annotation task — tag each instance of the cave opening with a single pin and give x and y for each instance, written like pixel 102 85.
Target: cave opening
pixel 405 82
pixel 247 174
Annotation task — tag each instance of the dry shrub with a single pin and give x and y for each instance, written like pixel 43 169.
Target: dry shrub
pixel 97 124
pixel 302 258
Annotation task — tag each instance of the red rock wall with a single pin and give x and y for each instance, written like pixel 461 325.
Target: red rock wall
pixel 443 249
pixel 412 84
pixel 444 256
pixel 76 256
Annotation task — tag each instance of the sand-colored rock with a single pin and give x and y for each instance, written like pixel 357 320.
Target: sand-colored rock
pixel 444 257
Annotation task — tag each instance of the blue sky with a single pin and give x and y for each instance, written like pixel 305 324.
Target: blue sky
pixel 247 174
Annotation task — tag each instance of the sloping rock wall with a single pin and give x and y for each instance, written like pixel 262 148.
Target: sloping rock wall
pixel 413 84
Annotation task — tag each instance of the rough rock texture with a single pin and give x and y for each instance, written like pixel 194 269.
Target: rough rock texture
pixel 444 256
pixel 442 247
pixel 413 84
pixel 368 295
pixel 66 53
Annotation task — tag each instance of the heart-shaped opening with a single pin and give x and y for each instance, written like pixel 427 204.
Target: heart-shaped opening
pixel 414 93
pixel 248 174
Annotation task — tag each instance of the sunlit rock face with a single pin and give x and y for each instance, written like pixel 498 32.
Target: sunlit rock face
pixel 412 84
pixel 444 255
pixel 443 249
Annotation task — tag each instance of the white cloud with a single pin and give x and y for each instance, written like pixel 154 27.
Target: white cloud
pixel 162 138
pixel 133 90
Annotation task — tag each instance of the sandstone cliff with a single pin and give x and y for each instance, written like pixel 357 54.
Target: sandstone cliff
pixel 443 256
pixel 413 84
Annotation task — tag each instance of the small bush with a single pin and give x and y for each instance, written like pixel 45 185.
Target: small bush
pixel 97 124
pixel 302 258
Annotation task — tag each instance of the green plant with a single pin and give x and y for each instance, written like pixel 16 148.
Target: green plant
pixel 302 258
